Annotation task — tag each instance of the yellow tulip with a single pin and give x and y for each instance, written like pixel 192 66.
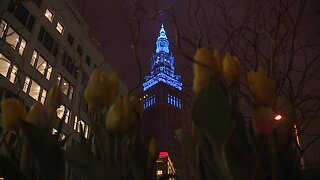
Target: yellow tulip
pixel 208 65
pixel 12 111
pixel 120 116
pixel 263 89
pixel 102 90
pixel 231 68
pixel 54 98
pixel 37 115
pixel 137 105
pixel 153 148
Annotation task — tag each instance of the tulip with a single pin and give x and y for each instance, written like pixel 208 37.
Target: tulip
pixel 120 116
pixel 263 121
pixel 102 90
pixel 231 68
pixel 54 98
pixel 263 89
pixel 207 66
pixel 137 105
pixel 153 148
pixel 37 115
pixel 12 112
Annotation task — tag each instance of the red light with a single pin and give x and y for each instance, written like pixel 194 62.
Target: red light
pixel 163 154
pixel 278 117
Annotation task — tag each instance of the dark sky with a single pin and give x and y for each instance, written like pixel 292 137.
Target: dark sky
pixel 108 21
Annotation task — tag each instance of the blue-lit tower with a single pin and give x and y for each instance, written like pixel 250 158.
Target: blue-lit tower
pixel 164 103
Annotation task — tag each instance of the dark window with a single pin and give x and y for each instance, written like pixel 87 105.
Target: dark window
pixel 30 23
pixel 79 50
pixel 88 60
pixel 69 64
pixel 21 14
pixel 12 5
pixel 48 41
pixel 70 39
pixel 41 34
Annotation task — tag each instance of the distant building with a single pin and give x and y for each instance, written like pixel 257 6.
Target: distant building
pixel 164 103
pixel 164 165
pixel 43 42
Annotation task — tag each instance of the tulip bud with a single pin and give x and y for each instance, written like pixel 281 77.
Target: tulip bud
pixel 207 65
pixel 12 111
pixel 263 121
pixel 153 148
pixel 54 98
pixel 137 105
pixel 120 116
pixel 263 89
pixel 37 115
pixel 231 68
pixel 102 90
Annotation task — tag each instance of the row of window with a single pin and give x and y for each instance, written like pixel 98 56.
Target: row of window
pixel 174 101
pixel 78 123
pixel 12 37
pixel 149 101
pixel 22 14
pixel 8 69
pixel 38 62
pixel 34 90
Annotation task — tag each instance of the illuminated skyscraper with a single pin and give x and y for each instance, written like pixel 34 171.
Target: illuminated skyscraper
pixel 164 103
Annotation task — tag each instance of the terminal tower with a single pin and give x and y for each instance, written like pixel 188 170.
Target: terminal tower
pixel 164 104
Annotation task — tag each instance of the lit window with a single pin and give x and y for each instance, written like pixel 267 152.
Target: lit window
pixel 43 96
pixel 54 131
pixel 41 64
pixel 64 86
pixel 22 46
pixel 12 38
pixel 49 15
pixel 4 65
pixel 13 74
pixel 60 111
pixel 3 27
pixel 159 172
pixel 34 90
pixel 70 94
pixel 59 28
pixel 75 125
pixel 66 120
pixel 86 131
pixel 59 79
pixel 26 84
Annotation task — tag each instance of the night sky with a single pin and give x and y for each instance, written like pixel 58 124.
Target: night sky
pixel 109 23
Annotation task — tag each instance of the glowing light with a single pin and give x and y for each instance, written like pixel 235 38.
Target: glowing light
pixel 278 117
pixel 162 68
pixel 64 84
pixel 163 154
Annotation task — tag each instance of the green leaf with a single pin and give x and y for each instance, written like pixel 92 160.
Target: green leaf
pixel 212 112
pixel 45 150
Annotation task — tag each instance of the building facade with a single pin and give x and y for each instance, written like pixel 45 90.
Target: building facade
pixel 43 42
pixel 164 103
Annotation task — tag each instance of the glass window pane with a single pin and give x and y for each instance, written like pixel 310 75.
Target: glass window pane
pixel 75 123
pixel 60 111
pixel 13 74
pixel 34 57
pixel 3 27
pixel 41 65
pixel 4 65
pixel 34 90
pixel 59 28
pixel 26 84
pixel 66 120
pixel 59 79
pixel 43 96
pixel 22 46
pixel 49 15
pixel 12 38
pixel 49 72
pixel 64 86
